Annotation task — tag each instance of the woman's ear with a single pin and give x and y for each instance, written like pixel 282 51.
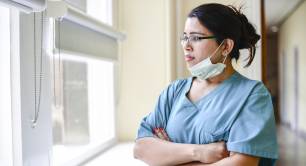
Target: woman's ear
pixel 227 46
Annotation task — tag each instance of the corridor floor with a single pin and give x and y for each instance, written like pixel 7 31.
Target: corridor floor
pixel 292 148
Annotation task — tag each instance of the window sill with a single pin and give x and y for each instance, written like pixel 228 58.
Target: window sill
pixel 121 154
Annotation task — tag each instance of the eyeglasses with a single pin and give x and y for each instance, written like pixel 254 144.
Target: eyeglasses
pixel 194 39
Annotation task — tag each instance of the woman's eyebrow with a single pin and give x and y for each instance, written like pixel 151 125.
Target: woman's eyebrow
pixel 196 33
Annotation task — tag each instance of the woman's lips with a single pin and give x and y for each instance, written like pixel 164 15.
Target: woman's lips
pixel 188 58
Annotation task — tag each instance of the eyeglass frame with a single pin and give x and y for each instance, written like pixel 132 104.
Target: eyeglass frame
pixel 185 39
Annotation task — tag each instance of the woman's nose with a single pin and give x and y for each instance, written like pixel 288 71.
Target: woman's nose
pixel 187 46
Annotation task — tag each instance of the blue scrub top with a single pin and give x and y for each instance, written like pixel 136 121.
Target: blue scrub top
pixel 239 111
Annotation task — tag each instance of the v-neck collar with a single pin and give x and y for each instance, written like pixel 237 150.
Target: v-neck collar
pixel 211 93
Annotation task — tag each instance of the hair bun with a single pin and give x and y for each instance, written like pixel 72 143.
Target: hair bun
pixel 248 37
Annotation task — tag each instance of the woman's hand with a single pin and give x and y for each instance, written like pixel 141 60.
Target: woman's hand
pixel 210 153
pixel 161 134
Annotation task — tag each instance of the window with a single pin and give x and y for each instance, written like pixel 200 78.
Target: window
pixel 83 87
pixel 80 4
pixel 72 97
pixel 83 106
pixel 5 95
pixel 101 10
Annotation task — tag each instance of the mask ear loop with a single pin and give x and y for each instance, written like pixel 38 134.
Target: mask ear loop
pixel 225 58
pixel 226 54
pixel 216 49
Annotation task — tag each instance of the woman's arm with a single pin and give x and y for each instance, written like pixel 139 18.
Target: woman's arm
pixel 235 159
pixel 158 152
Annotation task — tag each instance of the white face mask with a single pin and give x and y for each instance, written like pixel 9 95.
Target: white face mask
pixel 206 69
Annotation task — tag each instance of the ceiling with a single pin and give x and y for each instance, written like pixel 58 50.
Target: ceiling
pixel 277 10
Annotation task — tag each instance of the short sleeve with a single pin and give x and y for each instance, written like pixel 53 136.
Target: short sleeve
pixel 159 117
pixel 254 131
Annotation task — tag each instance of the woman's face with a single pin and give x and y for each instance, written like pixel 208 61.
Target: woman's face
pixel 196 51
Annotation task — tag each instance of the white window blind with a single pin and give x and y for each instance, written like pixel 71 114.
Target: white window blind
pixel 81 34
pixel 26 5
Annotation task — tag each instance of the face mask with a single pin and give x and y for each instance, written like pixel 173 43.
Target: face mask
pixel 206 69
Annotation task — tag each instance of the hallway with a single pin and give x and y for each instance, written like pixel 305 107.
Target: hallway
pixel 291 148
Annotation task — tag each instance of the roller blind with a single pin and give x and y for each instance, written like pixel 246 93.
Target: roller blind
pixel 83 35
pixel 26 5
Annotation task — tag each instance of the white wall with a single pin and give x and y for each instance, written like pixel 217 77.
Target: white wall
pixel 142 62
pixel 291 36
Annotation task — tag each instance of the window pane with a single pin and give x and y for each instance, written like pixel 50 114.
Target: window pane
pixel 101 10
pixel 83 109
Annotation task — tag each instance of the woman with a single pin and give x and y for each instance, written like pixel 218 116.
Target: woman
pixel 217 116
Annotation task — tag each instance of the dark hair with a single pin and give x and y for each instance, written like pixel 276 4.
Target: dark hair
pixel 228 22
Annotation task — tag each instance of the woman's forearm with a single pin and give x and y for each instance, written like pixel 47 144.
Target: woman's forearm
pixel 236 159
pixel 157 152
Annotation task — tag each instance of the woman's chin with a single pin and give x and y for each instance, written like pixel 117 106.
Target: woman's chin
pixel 190 64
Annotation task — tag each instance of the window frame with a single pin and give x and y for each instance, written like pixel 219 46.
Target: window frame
pixel 6 140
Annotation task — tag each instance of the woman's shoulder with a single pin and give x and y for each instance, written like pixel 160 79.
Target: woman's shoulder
pixel 181 81
pixel 179 84
pixel 255 86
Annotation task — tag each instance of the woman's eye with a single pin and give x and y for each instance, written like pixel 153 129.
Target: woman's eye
pixel 195 38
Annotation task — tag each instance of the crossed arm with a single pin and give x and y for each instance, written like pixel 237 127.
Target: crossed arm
pixel 160 152
pixel 235 159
